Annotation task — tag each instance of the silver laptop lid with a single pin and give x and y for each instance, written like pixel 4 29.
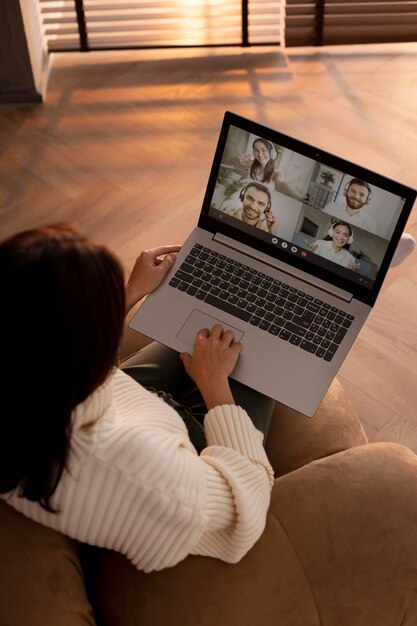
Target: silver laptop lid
pixel 329 217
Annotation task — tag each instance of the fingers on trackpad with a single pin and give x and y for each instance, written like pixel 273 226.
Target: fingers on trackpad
pixel 198 320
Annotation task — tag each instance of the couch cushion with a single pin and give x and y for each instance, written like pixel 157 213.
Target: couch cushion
pixel 340 548
pixel 41 580
pixel 352 519
pixel 294 439
pixel 268 587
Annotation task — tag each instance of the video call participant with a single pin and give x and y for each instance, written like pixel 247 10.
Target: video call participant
pixel 352 207
pixel 358 193
pixel 335 246
pixel 256 208
pixel 261 166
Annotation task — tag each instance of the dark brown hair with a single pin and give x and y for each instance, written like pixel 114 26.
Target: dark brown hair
pixel 270 166
pixel 61 320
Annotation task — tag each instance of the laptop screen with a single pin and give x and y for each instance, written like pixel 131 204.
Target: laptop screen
pixel 335 218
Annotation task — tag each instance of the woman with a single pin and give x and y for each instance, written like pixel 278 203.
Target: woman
pixel 335 246
pixel 88 451
pixel 262 167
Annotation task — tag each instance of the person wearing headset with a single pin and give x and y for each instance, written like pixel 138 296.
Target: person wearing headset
pixel 262 167
pixel 335 246
pixel 351 207
pixel 256 208
pixel 357 195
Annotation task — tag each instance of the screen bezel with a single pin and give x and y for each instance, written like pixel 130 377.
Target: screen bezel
pixel 364 294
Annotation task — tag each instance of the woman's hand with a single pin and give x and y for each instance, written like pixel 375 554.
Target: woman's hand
pixel 312 246
pixel 353 266
pixel 148 272
pixel 244 160
pixel 213 360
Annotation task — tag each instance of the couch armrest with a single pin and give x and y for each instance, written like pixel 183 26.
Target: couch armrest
pixel 41 580
pixel 352 520
pixel 339 548
pixel 268 587
pixel 294 439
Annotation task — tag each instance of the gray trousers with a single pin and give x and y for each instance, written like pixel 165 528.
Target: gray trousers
pixel 160 369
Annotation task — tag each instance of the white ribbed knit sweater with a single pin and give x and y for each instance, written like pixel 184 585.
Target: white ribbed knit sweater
pixel 135 483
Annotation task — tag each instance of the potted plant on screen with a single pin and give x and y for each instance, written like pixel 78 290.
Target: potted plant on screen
pixel 328 178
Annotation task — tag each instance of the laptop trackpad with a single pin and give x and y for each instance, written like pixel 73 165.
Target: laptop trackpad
pixel 197 321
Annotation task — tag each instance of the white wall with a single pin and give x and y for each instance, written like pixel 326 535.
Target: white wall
pixel 38 52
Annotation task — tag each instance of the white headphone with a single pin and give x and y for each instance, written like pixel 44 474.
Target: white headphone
pixel 330 233
pixel 273 153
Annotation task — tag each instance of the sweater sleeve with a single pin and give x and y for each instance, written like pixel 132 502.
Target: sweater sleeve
pixel 174 502
pixel 239 479
pixel 213 505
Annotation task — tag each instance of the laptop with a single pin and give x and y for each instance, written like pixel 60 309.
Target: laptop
pixel 290 251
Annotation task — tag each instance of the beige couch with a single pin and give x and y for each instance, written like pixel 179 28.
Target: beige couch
pixel 339 548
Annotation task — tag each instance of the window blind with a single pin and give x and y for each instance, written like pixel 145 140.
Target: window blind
pixel 301 23
pixel 106 24
pixel 318 22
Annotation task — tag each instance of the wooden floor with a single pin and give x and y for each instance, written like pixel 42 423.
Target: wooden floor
pixel 124 142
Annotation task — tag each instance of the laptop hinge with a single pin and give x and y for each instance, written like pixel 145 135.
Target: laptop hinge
pixel 283 267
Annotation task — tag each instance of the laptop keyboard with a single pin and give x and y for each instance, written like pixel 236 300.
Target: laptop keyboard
pixel 271 305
